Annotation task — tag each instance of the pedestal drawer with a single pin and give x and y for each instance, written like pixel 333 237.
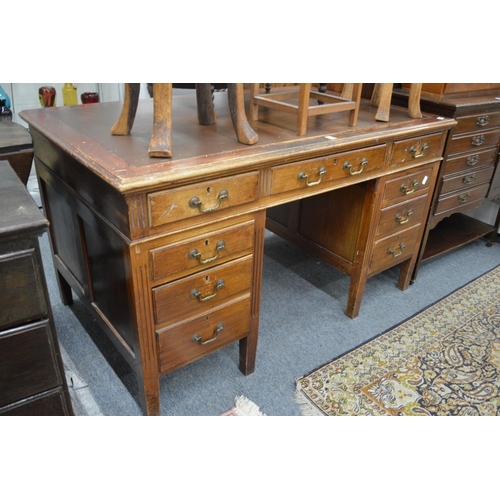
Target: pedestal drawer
pixel 462 199
pixel 417 149
pixel 206 197
pixel 466 180
pixel 312 173
pixel 394 249
pixel 198 293
pixel 407 185
pixel 401 216
pixel 205 251
pixel 191 340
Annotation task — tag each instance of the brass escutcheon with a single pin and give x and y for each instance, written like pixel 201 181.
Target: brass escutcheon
pixel 472 160
pixel 478 140
pixel 482 121
pixel 415 153
pixel 469 179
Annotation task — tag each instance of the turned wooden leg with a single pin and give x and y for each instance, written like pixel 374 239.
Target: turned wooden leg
pixel 205 104
pixel 160 145
pixel 124 124
pixel 414 101
pixel 244 132
pixel 383 97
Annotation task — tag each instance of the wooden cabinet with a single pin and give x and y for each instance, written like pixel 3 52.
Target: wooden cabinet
pixel 32 380
pixel 468 175
pixel 168 254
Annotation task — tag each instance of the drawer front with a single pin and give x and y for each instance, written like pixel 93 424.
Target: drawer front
pixel 316 173
pixel 189 341
pixel 477 122
pixel 202 291
pixel 206 197
pixel 49 404
pixel 394 249
pixel 468 161
pixel 467 180
pixel 408 185
pixel 462 199
pixel 401 216
pixel 21 294
pixel 486 139
pixel 27 362
pixel 417 149
pixel 205 251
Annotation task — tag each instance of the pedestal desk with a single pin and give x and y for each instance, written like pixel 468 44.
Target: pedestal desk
pixel 168 255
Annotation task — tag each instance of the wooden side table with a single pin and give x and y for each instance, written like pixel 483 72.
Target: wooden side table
pixel 16 146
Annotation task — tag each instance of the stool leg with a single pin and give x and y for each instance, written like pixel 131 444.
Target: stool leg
pixel 160 145
pixel 205 104
pixel 124 124
pixel 356 97
pixel 384 105
pixel 254 107
pixel 414 101
pixel 244 132
pixel 303 108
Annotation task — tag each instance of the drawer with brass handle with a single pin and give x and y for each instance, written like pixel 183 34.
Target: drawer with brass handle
pixel 201 252
pixel 318 173
pixel 203 198
pixel 464 198
pixel 470 160
pixel 407 185
pixel 401 216
pixel 477 122
pixel 200 292
pixel 469 179
pixel 471 142
pixel 188 341
pixel 417 149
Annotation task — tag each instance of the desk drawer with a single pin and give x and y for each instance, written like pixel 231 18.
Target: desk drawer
pixel 417 149
pixel 206 197
pixel 191 340
pixel 205 251
pixel 462 199
pixel 467 180
pixel 470 142
pixel 308 174
pixel 468 161
pixel 477 122
pixel 394 249
pixel 407 185
pixel 401 216
pixel 200 292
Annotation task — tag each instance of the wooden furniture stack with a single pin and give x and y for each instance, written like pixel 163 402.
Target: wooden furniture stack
pixel 469 175
pixel 168 254
pixel 32 380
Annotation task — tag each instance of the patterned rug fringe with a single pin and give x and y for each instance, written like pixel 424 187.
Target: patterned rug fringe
pixel 306 408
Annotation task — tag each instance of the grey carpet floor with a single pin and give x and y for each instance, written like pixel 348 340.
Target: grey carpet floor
pixel 302 326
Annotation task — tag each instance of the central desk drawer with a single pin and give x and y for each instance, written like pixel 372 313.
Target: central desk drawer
pixel 206 197
pixel 200 292
pixel 479 140
pixel 401 216
pixel 186 342
pixel 417 149
pixel 463 199
pixel 311 173
pixel 205 251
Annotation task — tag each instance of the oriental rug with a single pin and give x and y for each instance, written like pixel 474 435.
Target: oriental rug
pixel 445 360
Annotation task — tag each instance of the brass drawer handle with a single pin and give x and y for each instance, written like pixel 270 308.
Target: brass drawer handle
pixel 408 190
pixel 194 254
pixel 478 140
pixel 348 166
pixel 394 254
pixel 482 121
pixel 469 179
pixel 472 160
pixel 304 177
pixel 197 336
pixel 196 294
pixel 464 197
pixel 401 220
pixel 195 202
pixel 416 154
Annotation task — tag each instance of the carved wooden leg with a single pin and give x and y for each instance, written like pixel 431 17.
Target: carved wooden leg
pixel 160 145
pixel 384 101
pixel 244 132
pixel 302 113
pixel 414 101
pixel 205 104
pixel 124 124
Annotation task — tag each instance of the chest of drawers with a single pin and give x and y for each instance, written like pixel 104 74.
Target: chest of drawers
pixel 168 254
pixel 32 380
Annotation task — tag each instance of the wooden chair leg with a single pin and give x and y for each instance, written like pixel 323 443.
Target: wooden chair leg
pixel 414 101
pixel 205 104
pixel 160 145
pixel 303 108
pixel 254 107
pixel 244 132
pixel 355 93
pixel 125 121
pixel 384 102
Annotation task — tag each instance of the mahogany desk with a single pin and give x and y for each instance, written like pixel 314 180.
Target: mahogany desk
pixel 168 254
